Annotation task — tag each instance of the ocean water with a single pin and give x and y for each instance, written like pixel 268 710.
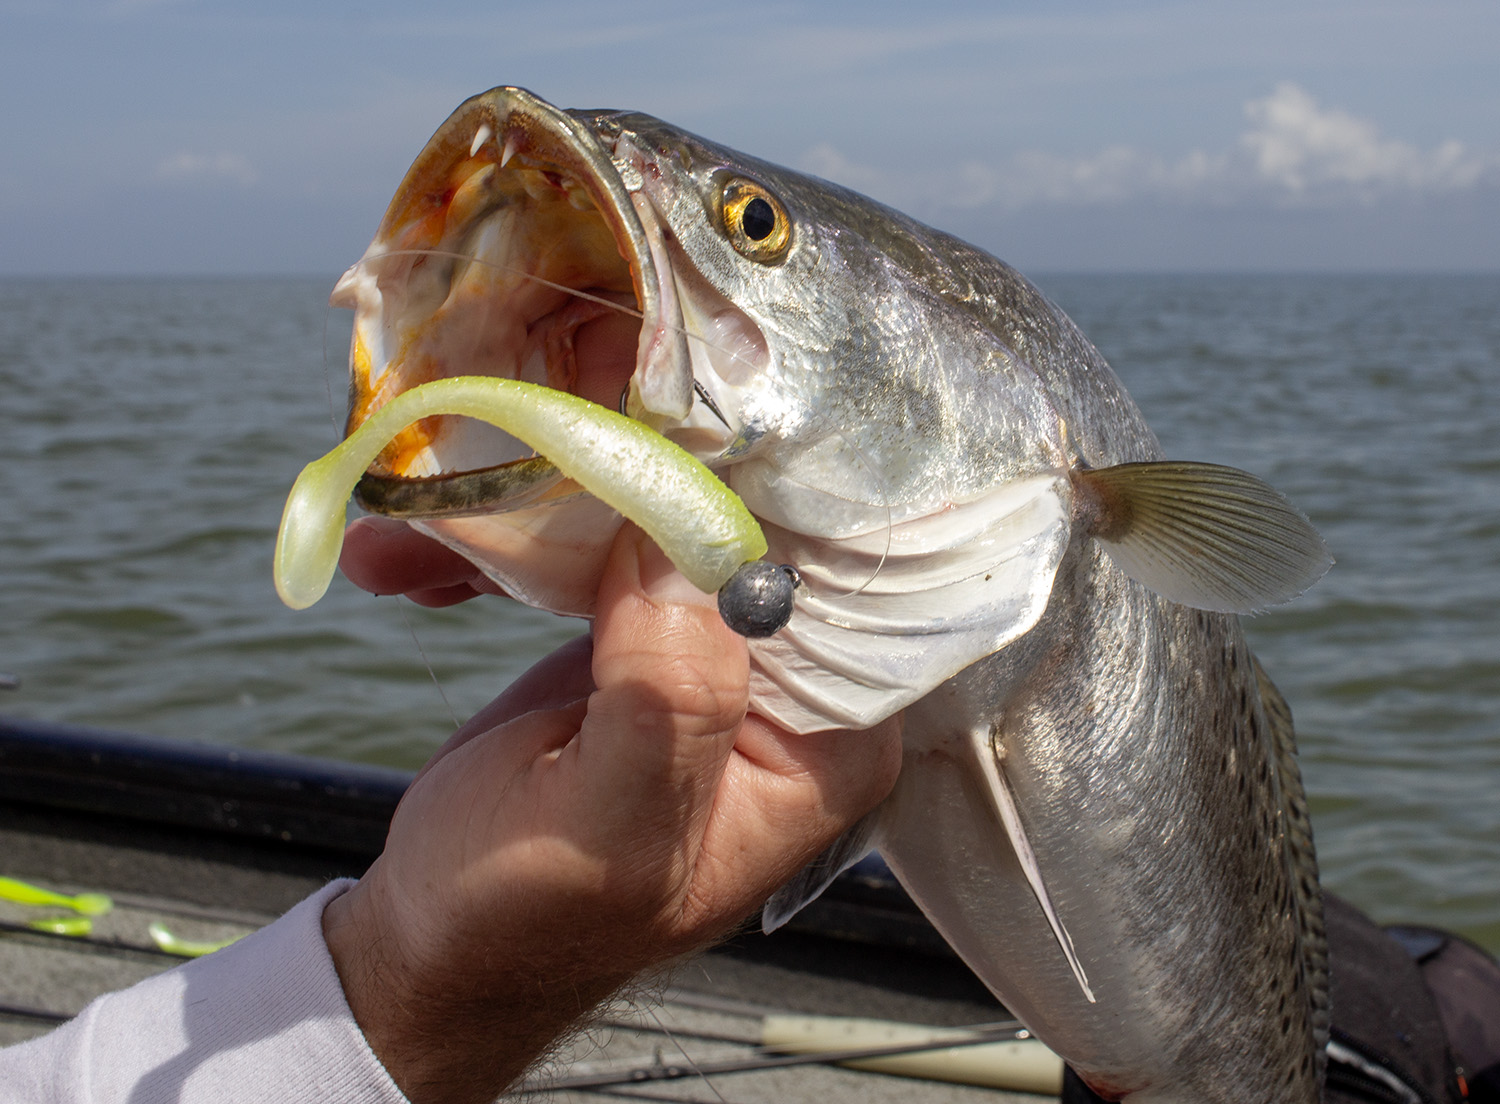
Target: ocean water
pixel 149 431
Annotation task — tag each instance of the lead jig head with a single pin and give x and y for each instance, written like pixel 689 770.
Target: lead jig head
pixel 757 600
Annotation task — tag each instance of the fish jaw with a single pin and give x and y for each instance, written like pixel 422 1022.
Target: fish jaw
pixel 513 248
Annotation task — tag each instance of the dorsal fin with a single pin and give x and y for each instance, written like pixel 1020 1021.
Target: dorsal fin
pixel 1203 535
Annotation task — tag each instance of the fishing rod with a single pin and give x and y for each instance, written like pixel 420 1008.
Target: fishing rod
pixel 1011 1031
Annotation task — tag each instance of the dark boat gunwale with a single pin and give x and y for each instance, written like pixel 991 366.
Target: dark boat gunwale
pixel 300 801
pixel 264 808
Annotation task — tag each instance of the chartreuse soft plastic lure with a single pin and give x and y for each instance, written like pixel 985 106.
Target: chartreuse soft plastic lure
pixel 186 948
pixel 85 905
pixel 702 526
pixel 63 925
pixel 24 893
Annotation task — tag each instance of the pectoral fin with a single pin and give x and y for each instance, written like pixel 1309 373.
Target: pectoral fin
pixel 818 875
pixel 1203 535
pixel 1003 804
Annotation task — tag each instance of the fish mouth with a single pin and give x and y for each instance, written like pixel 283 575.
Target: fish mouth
pixel 512 249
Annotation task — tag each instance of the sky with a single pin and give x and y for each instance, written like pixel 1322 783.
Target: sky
pixel 199 137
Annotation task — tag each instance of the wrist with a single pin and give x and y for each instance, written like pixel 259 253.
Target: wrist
pixel 450 1025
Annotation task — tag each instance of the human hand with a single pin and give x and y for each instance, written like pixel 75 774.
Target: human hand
pixel 614 809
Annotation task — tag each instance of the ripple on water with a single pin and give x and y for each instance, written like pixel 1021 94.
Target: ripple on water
pixel 135 579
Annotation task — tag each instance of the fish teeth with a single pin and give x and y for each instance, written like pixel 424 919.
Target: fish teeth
pixel 509 151
pixel 481 136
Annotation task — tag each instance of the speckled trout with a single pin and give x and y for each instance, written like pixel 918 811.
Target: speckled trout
pixel 1099 806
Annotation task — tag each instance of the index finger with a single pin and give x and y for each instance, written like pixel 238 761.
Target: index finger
pixel 386 556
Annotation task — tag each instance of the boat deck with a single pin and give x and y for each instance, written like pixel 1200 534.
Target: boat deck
pixel 214 843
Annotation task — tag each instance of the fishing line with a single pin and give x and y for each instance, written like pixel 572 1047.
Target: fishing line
pixel 401 601
pixel 337 423
pixel 819 421
pixel 333 412
pixel 651 1011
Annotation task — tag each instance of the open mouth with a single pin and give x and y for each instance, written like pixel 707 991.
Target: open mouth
pixel 511 249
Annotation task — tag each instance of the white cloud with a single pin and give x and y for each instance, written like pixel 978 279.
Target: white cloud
pixel 186 166
pixel 1299 147
pixel 1293 153
pixel 1114 174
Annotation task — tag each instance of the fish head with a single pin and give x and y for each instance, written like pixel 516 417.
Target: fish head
pixel 818 351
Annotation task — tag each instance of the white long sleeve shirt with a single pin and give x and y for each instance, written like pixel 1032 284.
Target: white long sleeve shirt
pixel 264 1019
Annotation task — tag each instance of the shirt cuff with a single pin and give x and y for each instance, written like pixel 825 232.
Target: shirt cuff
pixel 262 1019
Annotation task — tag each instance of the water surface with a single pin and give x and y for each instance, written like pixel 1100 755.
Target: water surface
pixel 151 429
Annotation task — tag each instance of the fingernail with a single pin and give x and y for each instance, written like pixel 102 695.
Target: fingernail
pixel 661 582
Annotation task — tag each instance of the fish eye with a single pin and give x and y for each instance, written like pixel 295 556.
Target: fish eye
pixel 756 222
